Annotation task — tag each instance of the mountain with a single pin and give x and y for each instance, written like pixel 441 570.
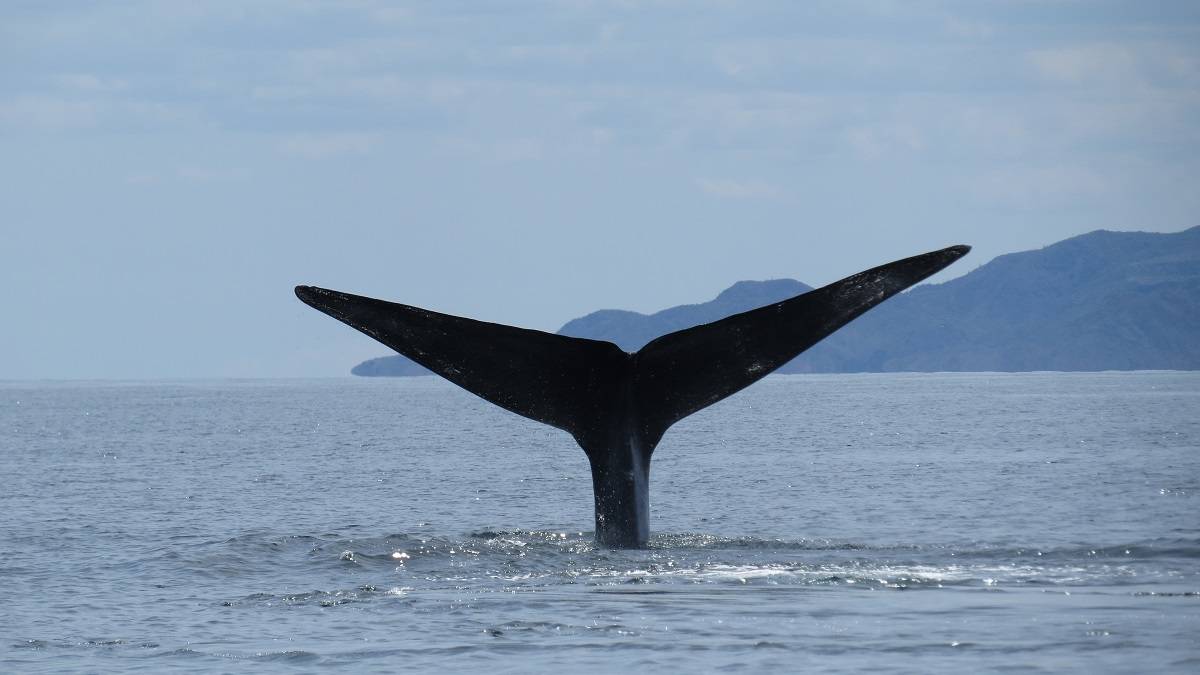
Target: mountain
pixel 1100 301
pixel 631 330
pixel 389 366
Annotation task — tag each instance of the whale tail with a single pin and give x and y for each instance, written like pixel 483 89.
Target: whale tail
pixel 618 405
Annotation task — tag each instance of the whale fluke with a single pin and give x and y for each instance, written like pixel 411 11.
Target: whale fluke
pixel 686 371
pixel 553 379
pixel 615 404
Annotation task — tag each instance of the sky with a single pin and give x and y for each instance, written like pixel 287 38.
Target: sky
pixel 169 171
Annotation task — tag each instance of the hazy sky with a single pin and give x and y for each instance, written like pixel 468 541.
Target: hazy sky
pixel 170 170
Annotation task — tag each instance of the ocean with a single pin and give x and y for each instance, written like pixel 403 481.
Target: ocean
pixel 840 523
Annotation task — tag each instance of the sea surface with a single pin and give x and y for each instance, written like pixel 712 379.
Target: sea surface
pixel 839 523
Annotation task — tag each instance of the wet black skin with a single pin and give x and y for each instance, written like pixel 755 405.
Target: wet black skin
pixel 615 404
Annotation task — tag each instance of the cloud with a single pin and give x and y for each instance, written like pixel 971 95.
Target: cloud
pixel 519 150
pixel 145 178
pixel 1119 64
pixel 189 174
pixel 198 174
pixel 875 141
pixel 85 82
pixel 321 146
pixel 47 113
pixel 55 113
pixel 739 59
pixel 281 93
pixel 1078 64
pixel 960 27
pixel 493 150
pixel 1027 186
pixel 738 189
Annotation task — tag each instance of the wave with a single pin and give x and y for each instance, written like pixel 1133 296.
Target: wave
pixel 543 558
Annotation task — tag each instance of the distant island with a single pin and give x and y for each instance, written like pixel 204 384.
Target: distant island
pixel 1100 301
